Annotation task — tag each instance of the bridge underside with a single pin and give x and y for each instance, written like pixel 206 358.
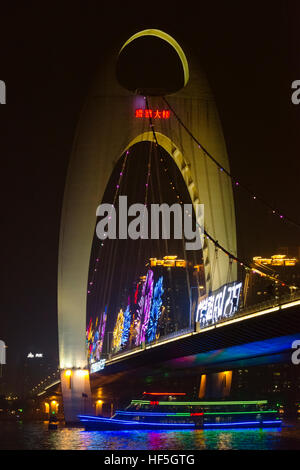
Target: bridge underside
pixel 259 341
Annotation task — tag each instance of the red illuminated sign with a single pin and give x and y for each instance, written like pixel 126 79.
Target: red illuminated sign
pixel 152 113
pixel 163 393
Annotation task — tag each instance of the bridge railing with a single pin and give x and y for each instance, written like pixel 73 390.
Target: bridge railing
pixel 265 305
pixel 274 302
pixel 158 341
pixel 261 306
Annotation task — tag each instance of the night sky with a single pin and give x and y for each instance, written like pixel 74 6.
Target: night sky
pixel 48 57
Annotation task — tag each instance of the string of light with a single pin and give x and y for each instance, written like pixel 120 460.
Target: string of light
pixel 217 245
pixel 117 190
pixel 91 282
pixel 235 181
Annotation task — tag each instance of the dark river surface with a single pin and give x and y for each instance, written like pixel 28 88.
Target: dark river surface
pixel 36 436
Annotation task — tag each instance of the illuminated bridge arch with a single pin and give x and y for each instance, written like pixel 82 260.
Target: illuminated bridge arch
pixel 185 169
pixel 155 40
pixel 107 127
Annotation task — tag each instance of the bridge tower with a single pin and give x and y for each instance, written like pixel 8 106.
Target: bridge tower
pixel 107 127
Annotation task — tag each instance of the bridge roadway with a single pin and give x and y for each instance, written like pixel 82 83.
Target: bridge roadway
pixel 260 335
pixel 251 337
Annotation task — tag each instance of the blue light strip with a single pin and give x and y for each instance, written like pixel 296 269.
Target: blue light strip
pixel 119 421
pixel 243 422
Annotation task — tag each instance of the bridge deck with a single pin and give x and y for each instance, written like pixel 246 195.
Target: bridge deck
pixel 275 321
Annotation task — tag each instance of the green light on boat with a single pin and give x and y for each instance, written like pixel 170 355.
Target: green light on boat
pixel 200 403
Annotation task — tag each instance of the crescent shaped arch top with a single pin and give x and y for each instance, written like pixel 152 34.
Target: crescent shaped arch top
pixel 166 37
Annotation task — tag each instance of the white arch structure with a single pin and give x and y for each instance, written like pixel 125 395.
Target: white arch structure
pixel 107 128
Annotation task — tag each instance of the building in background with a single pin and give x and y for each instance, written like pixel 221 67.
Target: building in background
pixel 284 266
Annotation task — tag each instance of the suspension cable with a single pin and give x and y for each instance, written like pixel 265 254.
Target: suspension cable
pixel 233 178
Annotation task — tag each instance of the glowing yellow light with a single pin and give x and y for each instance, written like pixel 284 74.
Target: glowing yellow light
pixel 53 402
pixel 180 263
pixel 68 373
pixel 82 372
pixel 291 304
pixel 99 402
pixel 276 260
pixel 162 35
pixel 168 261
pixel 118 331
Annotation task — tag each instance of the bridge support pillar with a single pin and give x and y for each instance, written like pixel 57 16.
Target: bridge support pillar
pixel 76 394
pixel 215 385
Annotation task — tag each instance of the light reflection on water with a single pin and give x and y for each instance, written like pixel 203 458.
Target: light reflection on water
pixel 37 436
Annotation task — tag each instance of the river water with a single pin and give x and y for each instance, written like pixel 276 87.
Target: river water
pixel 36 436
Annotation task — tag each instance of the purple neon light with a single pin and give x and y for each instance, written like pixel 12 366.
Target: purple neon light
pixel 147 304
pixel 143 313
pixel 102 332
pixel 155 309
pixel 127 322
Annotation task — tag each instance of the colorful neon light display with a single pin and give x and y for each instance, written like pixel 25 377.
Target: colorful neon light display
pixel 118 331
pixel 102 332
pixel 152 113
pixel 155 310
pixel 95 338
pixel 147 305
pixel 141 316
pixel 136 293
pixel 126 326
pixel 143 313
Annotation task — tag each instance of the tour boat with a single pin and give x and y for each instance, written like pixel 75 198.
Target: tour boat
pixel 165 411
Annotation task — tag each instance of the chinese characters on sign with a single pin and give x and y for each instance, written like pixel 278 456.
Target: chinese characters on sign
pixel 152 113
pixel 221 304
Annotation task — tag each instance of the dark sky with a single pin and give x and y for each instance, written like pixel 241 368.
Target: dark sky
pixel 48 56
